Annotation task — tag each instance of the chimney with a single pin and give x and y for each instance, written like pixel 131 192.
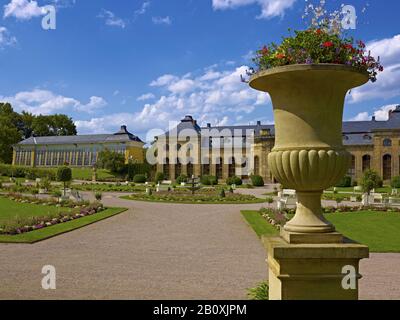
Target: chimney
pixel 208 125
pixel 258 123
pixel 124 128
pixel 373 118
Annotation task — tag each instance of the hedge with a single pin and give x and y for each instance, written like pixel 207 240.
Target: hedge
pixel 26 172
pixel 257 181
pixel 234 180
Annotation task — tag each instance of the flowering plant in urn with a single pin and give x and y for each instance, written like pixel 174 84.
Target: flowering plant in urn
pixel 308 76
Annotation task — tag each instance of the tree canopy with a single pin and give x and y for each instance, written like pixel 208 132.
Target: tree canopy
pixel 15 127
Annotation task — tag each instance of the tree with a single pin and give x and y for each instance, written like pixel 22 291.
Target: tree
pixel 64 175
pixel 370 181
pixel 111 160
pixel 53 125
pixel 9 132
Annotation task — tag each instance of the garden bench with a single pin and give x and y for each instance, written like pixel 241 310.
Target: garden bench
pixel 163 187
pixel 287 198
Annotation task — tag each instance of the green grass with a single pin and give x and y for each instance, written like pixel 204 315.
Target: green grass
pixel 259 224
pixel 378 230
pixel 87 173
pixel 49 232
pixel 10 210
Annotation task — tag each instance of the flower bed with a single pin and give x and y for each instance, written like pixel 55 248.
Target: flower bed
pixel 280 218
pixel 26 224
pixel 209 196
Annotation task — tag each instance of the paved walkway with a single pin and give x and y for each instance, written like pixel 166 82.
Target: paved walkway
pixel 161 251
pixel 152 251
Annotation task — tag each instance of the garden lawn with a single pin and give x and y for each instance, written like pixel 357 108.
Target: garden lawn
pixel 49 232
pixel 259 224
pixel 10 210
pixel 378 230
pixel 87 174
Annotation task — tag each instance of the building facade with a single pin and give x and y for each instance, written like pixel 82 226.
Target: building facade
pixel 243 150
pixel 77 151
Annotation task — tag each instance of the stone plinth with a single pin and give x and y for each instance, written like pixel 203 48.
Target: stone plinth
pixel 312 271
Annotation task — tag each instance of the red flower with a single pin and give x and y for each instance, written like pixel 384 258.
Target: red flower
pixel 280 55
pixel 319 31
pixel 328 44
pixel 264 50
pixel 348 46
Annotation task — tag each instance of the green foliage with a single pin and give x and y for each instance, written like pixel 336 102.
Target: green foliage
pixel 98 196
pixel 346 182
pixel 209 180
pixel 159 177
pixel 139 178
pixel 370 180
pixel 57 193
pixel 45 184
pixel 257 181
pixel 111 160
pixel 64 174
pixel 234 180
pixel 14 127
pixel 131 169
pixel 395 183
pixel 222 193
pixel 270 200
pixel 260 292
pixel 182 178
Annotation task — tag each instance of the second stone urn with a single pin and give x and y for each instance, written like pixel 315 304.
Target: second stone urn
pixel 309 155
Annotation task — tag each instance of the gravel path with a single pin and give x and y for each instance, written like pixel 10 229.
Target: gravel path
pixel 161 251
pixel 153 251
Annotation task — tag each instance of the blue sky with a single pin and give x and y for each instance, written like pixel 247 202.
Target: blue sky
pixel 145 63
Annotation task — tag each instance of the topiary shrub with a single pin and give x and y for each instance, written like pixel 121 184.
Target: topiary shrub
pixel 209 180
pixel 257 181
pixel 159 177
pixel 395 183
pixel 64 175
pixel 181 179
pixel 139 178
pixel 234 180
pixel 98 196
pixel 346 182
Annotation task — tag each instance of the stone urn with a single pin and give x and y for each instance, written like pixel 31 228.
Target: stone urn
pixel 309 155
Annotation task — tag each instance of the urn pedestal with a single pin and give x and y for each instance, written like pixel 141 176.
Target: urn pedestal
pixel 309 157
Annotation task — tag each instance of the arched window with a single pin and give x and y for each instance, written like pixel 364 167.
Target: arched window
pixel 387 167
pixel 387 143
pixel 232 167
pixel 166 168
pixel 366 162
pixel 352 169
pixel 219 168
pixel 256 165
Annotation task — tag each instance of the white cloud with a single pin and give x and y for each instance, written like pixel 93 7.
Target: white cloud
pixel 163 80
pixel 387 86
pixel 46 102
pixel 146 96
pixel 215 96
pixel 162 20
pixel 269 8
pixel 381 114
pixel 111 19
pixel 6 39
pixel 23 9
pixel 142 10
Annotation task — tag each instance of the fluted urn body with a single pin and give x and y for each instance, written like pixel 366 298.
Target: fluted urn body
pixel 309 155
